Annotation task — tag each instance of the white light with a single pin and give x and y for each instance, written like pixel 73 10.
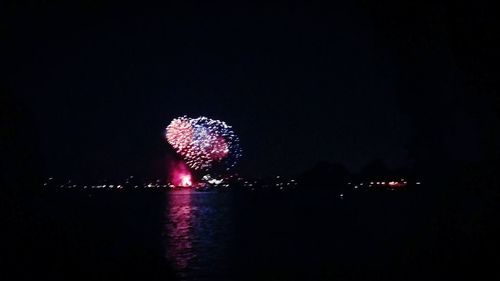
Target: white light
pixel 215 181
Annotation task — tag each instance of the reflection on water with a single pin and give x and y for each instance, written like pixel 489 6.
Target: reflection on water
pixel 179 228
pixel 198 235
pixel 295 236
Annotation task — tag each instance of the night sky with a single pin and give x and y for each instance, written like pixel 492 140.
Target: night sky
pixel 299 83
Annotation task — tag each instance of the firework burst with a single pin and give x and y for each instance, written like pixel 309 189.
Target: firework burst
pixel 204 142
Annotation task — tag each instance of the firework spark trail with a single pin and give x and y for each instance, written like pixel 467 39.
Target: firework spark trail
pixel 204 142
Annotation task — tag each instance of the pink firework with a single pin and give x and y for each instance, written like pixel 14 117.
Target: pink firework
pixel 180 134
pixel 204 142
pixel 180 175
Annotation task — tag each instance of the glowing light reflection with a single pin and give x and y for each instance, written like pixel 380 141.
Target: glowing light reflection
pixel 179 229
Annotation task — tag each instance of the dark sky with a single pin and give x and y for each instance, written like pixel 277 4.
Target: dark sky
pixel 299 83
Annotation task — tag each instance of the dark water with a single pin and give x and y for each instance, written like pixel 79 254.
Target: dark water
pixel 320 236
pixel 199 231
pixel 315 235
pixel 293 236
